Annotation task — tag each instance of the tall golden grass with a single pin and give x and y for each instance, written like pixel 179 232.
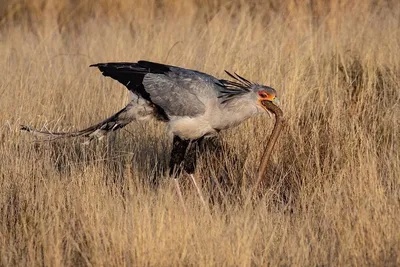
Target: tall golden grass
pixel 334 195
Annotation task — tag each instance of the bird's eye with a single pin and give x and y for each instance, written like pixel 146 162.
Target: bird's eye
pixel 262 94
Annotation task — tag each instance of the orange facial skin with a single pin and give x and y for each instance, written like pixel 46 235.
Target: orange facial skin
pixel 264 96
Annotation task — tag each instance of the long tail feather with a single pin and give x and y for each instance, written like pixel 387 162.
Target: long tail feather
pixel 98 131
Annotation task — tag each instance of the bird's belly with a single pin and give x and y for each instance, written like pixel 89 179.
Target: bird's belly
pixel 190 128
pixel 207 124
pixel 228 120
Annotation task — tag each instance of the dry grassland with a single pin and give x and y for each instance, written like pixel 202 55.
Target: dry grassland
pixel 334 195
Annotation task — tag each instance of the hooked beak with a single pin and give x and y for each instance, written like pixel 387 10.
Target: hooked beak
pixel 266 103
pixel 276 101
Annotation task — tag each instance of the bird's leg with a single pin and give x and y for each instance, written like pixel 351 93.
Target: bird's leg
pixel 184 156
pixel 179 148
pixel 213 148
pixel 179 192
pixel 198 189
pixel 190 161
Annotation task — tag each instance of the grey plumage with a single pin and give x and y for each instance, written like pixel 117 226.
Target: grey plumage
pixel 174 94
pixel 194 104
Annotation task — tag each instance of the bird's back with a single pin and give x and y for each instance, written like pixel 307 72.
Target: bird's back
pixel 175 91
pixel 194 103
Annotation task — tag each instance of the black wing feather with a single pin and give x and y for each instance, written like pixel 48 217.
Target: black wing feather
pixel 132 74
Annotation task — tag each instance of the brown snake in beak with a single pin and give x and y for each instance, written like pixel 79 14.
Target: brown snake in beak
pixel 279 122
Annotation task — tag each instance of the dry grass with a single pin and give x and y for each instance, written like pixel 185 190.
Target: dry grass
pixel 335 194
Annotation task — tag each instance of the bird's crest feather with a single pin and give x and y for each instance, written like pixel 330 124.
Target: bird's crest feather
pixel 232 89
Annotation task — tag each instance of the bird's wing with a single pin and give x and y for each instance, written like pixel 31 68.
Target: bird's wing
pixel 176 96
pixel 177 91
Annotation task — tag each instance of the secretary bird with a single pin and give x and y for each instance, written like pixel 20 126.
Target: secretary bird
pixel 194 105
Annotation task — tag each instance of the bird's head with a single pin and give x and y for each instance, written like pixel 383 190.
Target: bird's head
pixel 263 97
pixel 264 94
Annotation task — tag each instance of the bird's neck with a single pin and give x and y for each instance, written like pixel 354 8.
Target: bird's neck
pixel 239 110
